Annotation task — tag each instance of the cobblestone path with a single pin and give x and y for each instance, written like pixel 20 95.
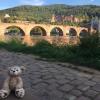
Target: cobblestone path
pixel 50 81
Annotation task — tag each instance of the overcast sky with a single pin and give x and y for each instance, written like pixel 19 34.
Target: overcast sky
pixel 12 3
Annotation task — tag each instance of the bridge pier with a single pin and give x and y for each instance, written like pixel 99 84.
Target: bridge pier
pixel 27 40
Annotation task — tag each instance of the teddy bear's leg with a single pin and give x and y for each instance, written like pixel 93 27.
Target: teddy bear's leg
pixel 4 93
pixel 20 93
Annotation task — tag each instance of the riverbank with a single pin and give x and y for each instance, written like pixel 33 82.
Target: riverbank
pixel 86 54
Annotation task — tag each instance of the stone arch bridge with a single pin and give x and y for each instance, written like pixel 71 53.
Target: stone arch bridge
pixel 27 27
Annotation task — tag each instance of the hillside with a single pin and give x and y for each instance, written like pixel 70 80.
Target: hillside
pixel 44 13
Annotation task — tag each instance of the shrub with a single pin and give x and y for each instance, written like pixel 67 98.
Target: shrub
pixel 13 45
pixel 90 42
pixel 89 46
pixel 84 54
pixel 43 48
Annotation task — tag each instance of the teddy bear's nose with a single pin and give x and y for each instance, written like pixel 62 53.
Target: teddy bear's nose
pixel 13 71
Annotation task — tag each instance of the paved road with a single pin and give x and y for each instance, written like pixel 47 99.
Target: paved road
pixel 50 81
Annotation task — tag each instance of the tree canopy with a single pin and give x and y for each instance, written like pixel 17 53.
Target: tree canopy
pixel 44 13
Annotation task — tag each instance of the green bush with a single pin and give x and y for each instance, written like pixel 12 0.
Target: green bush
pixel 43 48
pixel 59 53
pixel 86 53
pixel 90 42
pixel 89 46
pixel 13 45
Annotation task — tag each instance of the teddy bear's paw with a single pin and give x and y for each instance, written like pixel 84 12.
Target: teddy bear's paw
pixel 20 93
pixel 3 94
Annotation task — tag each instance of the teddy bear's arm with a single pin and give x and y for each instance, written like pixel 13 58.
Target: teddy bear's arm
pixel 6 84
pixel 20 83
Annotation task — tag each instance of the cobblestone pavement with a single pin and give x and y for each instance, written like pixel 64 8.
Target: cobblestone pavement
pixel 50 81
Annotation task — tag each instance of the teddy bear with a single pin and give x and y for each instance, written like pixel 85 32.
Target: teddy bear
pixel 13 83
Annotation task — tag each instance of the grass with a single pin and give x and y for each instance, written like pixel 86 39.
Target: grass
pixel 87 53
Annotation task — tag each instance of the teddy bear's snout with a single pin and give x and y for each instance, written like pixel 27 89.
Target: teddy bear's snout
pixel 13 70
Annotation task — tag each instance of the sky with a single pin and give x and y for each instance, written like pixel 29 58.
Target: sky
pixel 12 3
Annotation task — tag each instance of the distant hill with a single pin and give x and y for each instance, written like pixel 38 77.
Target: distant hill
pixel 44 13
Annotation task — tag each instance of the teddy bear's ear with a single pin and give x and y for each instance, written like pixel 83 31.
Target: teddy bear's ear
pixel 9 68
pixel 22 68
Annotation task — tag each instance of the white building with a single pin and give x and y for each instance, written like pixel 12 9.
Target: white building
pixel 7 16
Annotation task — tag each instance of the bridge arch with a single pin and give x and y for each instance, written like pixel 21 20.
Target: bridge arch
pixel 84 33
pixel 56 31
pixel 72 32
pixel 38 31
pixel 14 31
